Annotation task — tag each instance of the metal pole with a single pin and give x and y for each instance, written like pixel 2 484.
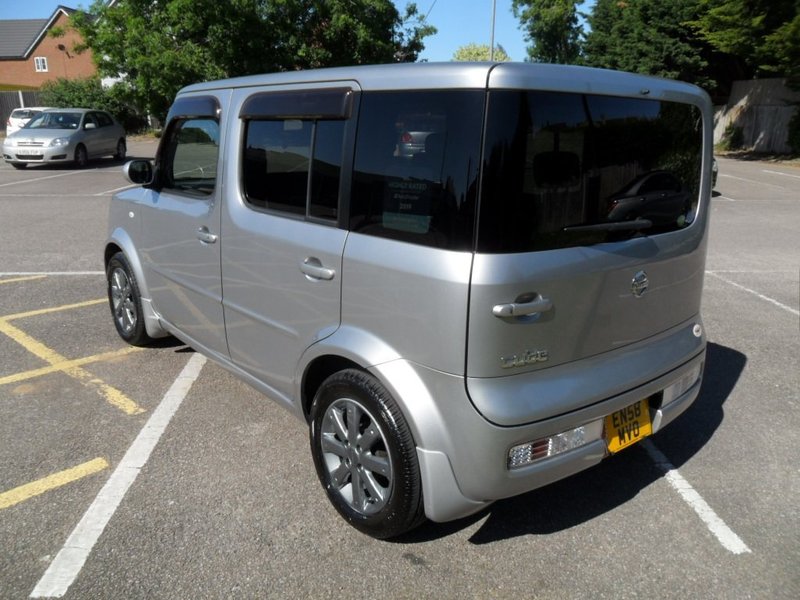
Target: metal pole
pixel 491 46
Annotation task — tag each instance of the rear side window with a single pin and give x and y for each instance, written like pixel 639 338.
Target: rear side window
pixel 416 167
pixel 567 169
pixel 293 166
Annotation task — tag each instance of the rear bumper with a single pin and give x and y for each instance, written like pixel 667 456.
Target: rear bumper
pixel 464 458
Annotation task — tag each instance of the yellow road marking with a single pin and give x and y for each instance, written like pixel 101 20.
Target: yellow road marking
pixel 29 490
pixel 16 279
pixel 112 395
pixel 45 311
pixel 78 362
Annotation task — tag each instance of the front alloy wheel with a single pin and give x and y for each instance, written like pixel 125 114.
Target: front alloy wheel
pixel 125 301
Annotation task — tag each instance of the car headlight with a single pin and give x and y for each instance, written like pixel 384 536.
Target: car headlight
pixel 58 142
pixel 10 142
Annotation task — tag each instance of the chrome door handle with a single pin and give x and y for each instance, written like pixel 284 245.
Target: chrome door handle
pixel 312 267
pixel 205 236
pixel 513 309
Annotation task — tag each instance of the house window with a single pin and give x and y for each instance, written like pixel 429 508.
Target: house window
pixel 40 62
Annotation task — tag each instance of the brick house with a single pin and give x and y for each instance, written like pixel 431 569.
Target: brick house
pixel 30 57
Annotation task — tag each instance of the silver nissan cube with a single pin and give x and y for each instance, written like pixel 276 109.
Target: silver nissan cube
pixel 468 279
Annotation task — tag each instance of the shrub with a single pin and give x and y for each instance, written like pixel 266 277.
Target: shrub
pixel 89 93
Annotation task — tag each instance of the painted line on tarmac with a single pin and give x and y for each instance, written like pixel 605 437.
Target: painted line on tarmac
pixel 779 173
pixel 78 362
pixel 48 273
pixel 780 187
pixel 755 293
pixel 53 309
pixel 69 561
pixel 60 363
pixel 40 178
pixel 25 278
pixel 724 534
pixel 51 482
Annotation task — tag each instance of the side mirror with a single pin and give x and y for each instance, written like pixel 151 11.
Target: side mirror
pixel 139 172
pixel 90 126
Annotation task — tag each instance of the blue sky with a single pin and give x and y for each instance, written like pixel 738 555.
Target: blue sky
pixel 459 22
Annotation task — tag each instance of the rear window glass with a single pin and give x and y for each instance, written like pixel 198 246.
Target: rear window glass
pixel 567 170
pixel 416 167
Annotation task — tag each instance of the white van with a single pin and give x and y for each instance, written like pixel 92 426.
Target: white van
pixel 469 280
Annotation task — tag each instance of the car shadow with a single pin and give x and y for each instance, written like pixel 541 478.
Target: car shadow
pixel 613 482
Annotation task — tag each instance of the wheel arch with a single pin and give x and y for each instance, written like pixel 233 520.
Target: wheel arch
pixel 120 241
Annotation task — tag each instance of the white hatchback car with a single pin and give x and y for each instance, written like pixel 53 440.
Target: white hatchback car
pixel 19 117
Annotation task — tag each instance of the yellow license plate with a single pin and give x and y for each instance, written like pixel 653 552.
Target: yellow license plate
pixel 628 425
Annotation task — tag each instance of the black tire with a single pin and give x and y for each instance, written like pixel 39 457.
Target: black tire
pixel 125 301
pixel 122 150
pixel 19 165
pixel 365 455
pixel 81 157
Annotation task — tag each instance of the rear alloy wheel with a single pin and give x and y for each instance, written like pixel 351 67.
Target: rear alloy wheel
pixel 81 157
pixel 125 301
pixel 122 150
pixel 365 455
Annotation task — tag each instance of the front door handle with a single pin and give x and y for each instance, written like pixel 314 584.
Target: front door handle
pixel 539 304
pixel 205 236
pixel 312 267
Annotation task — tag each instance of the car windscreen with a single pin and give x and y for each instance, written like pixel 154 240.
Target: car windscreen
pixel 55 120
pixel 564 169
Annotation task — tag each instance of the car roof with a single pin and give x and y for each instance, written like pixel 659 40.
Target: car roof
pixel 474 75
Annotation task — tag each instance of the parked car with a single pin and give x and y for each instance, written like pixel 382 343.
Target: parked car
pixel 20 116
pixel 658 197
pixel 455 325
pixel 65 135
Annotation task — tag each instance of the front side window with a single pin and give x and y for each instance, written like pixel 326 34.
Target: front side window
pixel 416 167
pixel 190 163
pixel 40 64
pixel 564 169
pixel 293 166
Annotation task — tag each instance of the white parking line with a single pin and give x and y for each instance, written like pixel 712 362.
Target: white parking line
pixel 779 173
pixel 761 183
pixel 729 540
pixel 755 293
pixel 40 178
pixel 69 561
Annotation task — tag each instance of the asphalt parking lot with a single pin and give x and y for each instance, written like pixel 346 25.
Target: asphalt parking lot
pixel 224 501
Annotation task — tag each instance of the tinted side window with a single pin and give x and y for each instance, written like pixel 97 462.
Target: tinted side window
pixel 294 166
pixel 559 167
pixel 416 167
pixel 190 163
pixel 103 120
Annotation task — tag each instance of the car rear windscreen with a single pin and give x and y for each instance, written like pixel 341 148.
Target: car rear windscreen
pixel 564 169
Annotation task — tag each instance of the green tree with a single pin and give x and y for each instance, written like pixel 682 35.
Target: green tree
pixel 158 47
pixel 763 35
pixel 551 26
pixel 480 52
pixel 648 36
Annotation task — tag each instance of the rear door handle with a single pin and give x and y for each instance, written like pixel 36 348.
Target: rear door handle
pixel 205 236
pixel 520 309
pixel 312 267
